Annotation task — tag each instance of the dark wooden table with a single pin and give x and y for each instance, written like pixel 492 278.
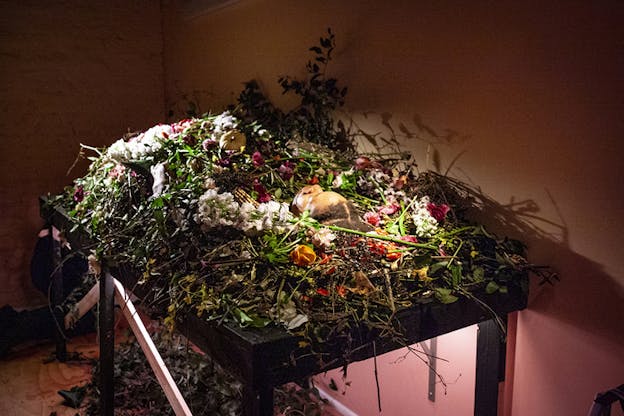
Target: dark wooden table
pixel 267 357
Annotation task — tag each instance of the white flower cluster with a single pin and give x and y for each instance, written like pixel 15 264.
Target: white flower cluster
pixel 322 238
pixel 222 210
pixel 425 224
pixel 143 145
pixel 223 122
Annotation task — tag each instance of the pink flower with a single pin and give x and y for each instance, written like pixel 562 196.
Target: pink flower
pixel 223 162
pixel 408 238
pixel 257 159
pixel 79 193
pixel 118 171
pixel 263 195
pixel 181 125
pixel 438 211
pixel 389 209
pixel 372 218
pixel 286 170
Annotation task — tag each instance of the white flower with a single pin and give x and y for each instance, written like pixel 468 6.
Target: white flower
pixel 322 238
pixel 223 122
pixel 425 224
pixel 341 178
pixel 160 180
pixel 141 146
pixel 221 209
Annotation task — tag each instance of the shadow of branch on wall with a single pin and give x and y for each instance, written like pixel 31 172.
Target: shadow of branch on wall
pixel 586 296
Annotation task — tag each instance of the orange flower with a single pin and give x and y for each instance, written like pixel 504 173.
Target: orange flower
pixel 303 255
pixel 393 255
pixel 325 258
pixel 322 291
pixel 341 290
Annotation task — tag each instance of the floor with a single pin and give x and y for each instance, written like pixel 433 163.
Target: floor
pixel 29 380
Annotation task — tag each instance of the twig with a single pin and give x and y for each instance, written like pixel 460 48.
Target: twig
pixel 376 376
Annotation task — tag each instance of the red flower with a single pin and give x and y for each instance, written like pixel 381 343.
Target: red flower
pixel 330 270
pixel 438 211
pixel 377 247
pixel 257 159
pixel 263 195
pixel 322 291
pixel 79 193
pixel 325 258
pixel 372 218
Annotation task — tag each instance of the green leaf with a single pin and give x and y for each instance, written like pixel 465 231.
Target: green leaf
pixel 456 274
pixel 241 317
pixel 444 295
pixel 491 287
pixel 437 266
pixel 478 274
pixel 157 203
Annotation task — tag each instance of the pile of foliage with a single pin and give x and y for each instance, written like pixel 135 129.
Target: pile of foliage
pixel 207 388
pixel 216 216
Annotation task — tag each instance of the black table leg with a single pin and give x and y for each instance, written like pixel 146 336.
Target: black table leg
pixel 106 319
pixel 56 298
pixel 258 402
pixel 490 368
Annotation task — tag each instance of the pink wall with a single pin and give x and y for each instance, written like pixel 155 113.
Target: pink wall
pixel 403 380
pixel 71 72
pixel 529 94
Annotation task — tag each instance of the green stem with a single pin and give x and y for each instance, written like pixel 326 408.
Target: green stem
pixel 381 237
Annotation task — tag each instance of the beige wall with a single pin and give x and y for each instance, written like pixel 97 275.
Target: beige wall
pixel 530 94
pixel 70 72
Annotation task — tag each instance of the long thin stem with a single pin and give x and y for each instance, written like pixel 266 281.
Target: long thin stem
pixel 381 237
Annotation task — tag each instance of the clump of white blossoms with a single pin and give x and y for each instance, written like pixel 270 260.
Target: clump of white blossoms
pixel 222 210
pixel 141 146
pixel 223 122
pixel 322 238
pixel 426 224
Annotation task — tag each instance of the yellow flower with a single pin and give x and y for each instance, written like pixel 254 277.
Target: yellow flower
pixel 422 274
pixel 303 255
